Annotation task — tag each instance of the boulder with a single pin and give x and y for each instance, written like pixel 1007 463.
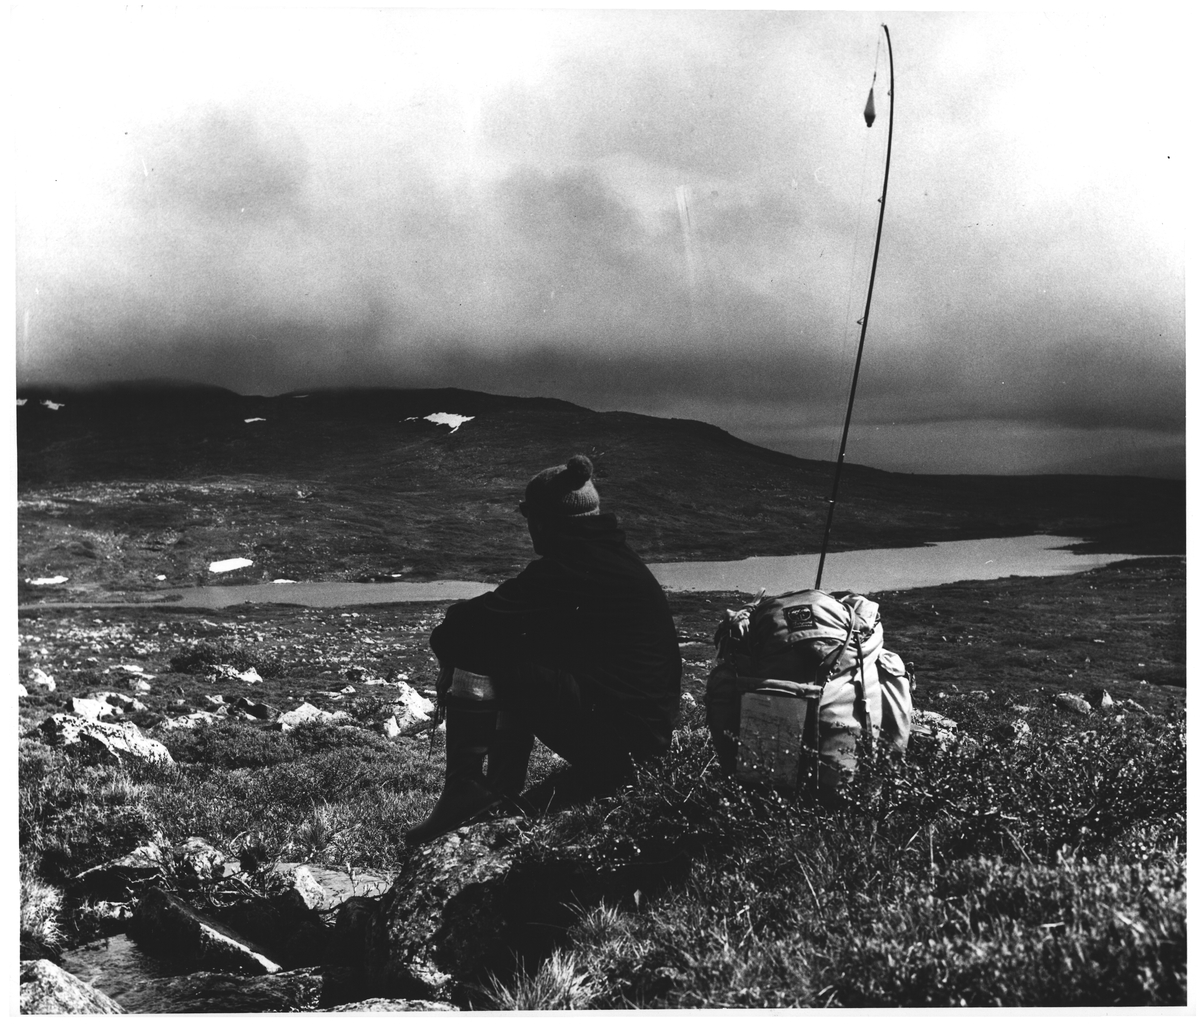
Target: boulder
pixel 415 948
pixel 383 1005
pixel 390 728
pixel 21 691
pixel 91 708
pixel 1098 697
pixel 190 721
pixel 47 989
pixel 1073 703
pixel 38 680
pixel 198 859
pixel 123 877
pixel 281 926
pixel 168 924
pixel 122 703
pixel 307 713
pixel 410 707
pixel 1017 733
pixel 323 889
pixel 348 942
pixel 255 709
pixel 109 742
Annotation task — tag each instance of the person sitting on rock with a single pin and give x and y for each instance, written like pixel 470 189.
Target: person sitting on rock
pixel 579 650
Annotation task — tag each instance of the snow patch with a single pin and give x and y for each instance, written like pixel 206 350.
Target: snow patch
pixel 50 404
pixel 46 581
pixel 256 420
pixel 282 580
pixel 225 565
pixel 452 420
pixel 21 402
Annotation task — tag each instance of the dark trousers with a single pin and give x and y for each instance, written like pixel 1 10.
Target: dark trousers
pixel 566 717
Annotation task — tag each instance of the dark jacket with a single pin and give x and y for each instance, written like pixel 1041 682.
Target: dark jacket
pixel 589 606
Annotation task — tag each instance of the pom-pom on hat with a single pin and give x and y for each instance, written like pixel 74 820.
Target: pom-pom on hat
pixel 562 491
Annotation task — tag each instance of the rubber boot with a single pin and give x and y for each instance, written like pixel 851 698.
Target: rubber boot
pixel 508 759
pixel 470 732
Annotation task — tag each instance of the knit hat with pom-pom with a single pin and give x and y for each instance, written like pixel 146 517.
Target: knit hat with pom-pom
pixel 562 491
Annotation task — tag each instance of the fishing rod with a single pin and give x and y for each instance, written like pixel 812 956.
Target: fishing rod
pixel 869 116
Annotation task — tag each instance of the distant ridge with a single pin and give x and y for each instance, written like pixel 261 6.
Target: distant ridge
pixel 683 489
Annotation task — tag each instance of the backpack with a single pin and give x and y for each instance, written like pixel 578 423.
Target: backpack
pixel 803 678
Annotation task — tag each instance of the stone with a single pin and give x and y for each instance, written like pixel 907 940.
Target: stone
pixel 1016 733
pixel 167 924
pixel 1073 703
pixel 21 691
pixel 39 680
pixel 410 707
pixel 190 721
pixel 198 859
pixel 121 702
pixel 108 742
pixel 461 908
pixel 323 889
pixel 384 1005
pixel 122 878
pixel 48 989
pixel 390 728
pixel 940 731
pixel 1098 697
pixel 255 709
pixel 348 941
pixel 306 713
pixel 90 708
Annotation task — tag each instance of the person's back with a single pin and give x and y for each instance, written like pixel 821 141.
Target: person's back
pixel 579 649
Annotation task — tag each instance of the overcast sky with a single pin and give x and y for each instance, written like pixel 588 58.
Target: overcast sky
pixel 666 212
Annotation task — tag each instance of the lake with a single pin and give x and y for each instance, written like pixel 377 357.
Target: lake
pixel 879 569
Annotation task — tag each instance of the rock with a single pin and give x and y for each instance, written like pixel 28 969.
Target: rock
pixel 348 942
pixel 198 859
pixel 38 679
pixel 169 925
pixel 224 672
pixel 90 708
pixel 687 700
pixel 1016 733
pixel 220 993
pixel 390 728
pixel 123 877
pixel 47 989
pixel 1135 706
pixel 281 927
pixel 110 742
pixel 323 889
pixel 411 707
pixel 1073 703
pixel 384 1005
pixel 122 703
pixel 255 709
pixel 306 713
pixel 189 721
pixel 21 691
pixel 142 686
pixel 1098 697
pixel 940 731
pixel 456 912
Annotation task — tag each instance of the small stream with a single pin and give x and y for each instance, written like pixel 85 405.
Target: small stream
pixel 120 969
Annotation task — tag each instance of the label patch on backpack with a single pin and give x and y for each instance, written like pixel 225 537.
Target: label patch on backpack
pixel 800 617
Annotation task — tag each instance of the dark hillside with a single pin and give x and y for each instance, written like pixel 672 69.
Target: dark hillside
pixel 336 484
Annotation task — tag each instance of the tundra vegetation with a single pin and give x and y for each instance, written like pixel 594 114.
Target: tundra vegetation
pixel 1005 866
